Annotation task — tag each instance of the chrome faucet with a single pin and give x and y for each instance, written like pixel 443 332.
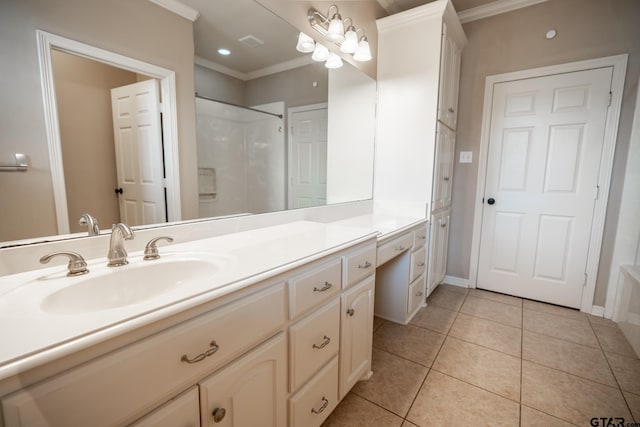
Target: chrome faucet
pixel 117 255
pixel 92 224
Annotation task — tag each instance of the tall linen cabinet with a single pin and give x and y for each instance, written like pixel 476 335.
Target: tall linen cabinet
pixel 419 53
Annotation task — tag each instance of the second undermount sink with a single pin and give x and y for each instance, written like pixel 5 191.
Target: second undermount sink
pixel 122 286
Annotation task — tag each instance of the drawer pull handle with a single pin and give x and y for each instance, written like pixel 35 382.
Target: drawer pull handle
pixel 366 265
pixel 326 287
pixel 423 237
pixel 451 110
pixel 218 414
pixel 325 343
pixel 400 248
pixel 421 264
pixel 325 403
pixel 199 358
pixel 443 225
pixel 419 294
pixel 351 312
pixel 446 178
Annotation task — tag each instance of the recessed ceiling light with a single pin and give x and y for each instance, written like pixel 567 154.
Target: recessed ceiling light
pixel 225 52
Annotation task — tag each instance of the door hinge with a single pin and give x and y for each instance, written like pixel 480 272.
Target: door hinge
pixel 597 192
pixel 161 107
pixel 585 280
pixel 610 98
pixel 164 182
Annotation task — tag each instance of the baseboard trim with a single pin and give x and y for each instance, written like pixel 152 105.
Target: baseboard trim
pixel 456 281
pixel 597 310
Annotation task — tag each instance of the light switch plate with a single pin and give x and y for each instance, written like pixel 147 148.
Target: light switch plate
pixel 466 156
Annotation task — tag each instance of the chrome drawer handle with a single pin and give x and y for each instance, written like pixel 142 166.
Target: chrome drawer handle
pixel 421 264
pixel 199 358
pixel 366 265
pixel 326 287
pixel 325 343
pixel 451 110
pixel 325 403
pixel 446 178
pixel 419 294
pixel 351 312
pixel 400 248
pixel 218 414
pixel 423 237
pixel 443 225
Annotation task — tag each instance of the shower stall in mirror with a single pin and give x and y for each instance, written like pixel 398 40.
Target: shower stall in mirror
pixel 241 158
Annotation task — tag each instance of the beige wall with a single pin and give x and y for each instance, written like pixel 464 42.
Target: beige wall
pixel 83 96
pixel 138 29
pixel 515 41
pixel 215 85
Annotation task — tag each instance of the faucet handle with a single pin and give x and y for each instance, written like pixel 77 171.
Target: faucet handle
pixel 91 223
pixel 77 265
pixel 151 250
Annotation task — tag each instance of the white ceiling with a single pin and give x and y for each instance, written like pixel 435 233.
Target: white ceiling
pixel 395 6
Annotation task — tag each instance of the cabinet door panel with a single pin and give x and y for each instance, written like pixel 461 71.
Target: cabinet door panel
pixel 443 173
pixel 357 330
pixel 183 411
pixel 249 392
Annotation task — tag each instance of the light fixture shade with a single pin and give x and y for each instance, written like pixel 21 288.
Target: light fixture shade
pixel 320 53
pixel 363 53
pixel 350 43
pixel 334 61
pixel 305 43
pixel 336 29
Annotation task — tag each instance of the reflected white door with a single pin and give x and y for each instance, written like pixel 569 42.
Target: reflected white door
pixel 138 142
pixel 545 145
pixel 308 158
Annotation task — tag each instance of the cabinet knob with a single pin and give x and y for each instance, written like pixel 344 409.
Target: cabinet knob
pixel 325 403
pixel 218 414
pixel 443 225
pixel 351 312
pixel 326 287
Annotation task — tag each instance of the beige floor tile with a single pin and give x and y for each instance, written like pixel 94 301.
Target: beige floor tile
pixel 453 288
pixel 530 417
pixel 408 424
pixel 434 318
pixel 411 342
pixel 576 331
pixel 542 307
pixel 446 401
pixel 377 322
pixel 480 366
pixel 633 400
pixel 568 397
pixel 627 372
pixel 576 359
pixel 613 340
pixel 495 296
pixel 596 320
pixel 394 384
pixel 446 298
pixel 487 333
pixel 493 310
pixel 355 411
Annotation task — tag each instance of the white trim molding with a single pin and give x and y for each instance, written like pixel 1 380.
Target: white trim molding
pixel 456 281
pixel 597 310
pixel 272 69
pixel 178 8
pixel 494 8
pixel 47 41
pixel 619 65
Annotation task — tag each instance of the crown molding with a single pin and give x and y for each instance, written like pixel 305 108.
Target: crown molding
pixel 411 16
pixel 178 8
pixel 494 8
pixel 272 69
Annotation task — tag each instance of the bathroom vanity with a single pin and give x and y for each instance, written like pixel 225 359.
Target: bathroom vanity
pixel 276 330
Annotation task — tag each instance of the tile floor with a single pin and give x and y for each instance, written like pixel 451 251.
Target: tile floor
pixel 478 358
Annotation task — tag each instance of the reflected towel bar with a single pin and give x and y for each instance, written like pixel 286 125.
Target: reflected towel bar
pixel 21 164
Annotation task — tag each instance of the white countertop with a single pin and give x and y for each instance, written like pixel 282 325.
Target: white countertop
pixel 387 226
pixel 31 337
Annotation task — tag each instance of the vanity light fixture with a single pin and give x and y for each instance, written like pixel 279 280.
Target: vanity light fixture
pixel 350 43
pixel 334 61
pixel 320 53
pixel 305 43
pixel 363 53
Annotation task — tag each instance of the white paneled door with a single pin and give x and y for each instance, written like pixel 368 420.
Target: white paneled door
pixel 308 158
pixel 139 162
pixel 545 145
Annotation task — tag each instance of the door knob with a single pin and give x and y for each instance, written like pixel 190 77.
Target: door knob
pixel 118 190
pixel 491 200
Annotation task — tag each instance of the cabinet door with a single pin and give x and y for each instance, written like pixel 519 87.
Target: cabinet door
pixel 438 245
pixel 443 173
pixel 182 411
pixel 249 392
pixel 450 56
pixel 357 331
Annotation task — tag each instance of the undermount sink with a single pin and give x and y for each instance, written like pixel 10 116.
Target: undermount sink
pixel 122 286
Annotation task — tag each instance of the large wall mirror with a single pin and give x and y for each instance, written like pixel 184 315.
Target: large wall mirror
pixel 273 129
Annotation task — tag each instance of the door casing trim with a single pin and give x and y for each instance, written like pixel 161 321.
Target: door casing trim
pixel 619 64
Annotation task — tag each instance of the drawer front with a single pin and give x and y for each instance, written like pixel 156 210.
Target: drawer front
pixel 312 342
pixel 420 238
pixel 183 411
pixel 314 286
pixel 418 263
pixel 394 247
pixel 126 383
pixel 359 264
pixel 314 402
pixel 416 295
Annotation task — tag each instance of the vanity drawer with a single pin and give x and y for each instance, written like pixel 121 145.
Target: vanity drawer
pixel 418 262
pixel 416 295
pixel 122 385
pixel 314 286
pixel 314 402
pixel 359 264
pixel 420 238
pixel 394 247
pixel 312 342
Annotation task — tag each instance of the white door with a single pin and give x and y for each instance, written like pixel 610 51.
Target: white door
pixel 545 144
pixel 139 162
pixel 308 158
